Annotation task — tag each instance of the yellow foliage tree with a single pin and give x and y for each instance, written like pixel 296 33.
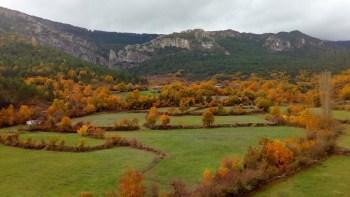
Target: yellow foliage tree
pixel 151 117
pixel 275 111
pixel 83 131
pixel 24 114
pixel 65 123
pixel 90 108
pixel 164 120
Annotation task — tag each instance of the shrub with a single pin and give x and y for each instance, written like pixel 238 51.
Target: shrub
pixel 126 124
pixel 164 120
pixel 83 130
pixel 207 177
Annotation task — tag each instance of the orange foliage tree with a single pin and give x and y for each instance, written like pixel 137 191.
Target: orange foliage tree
pixel 131 184
pixel 24 114
pixel 65 123
pixel 208 118
pixel 151 117
pixel 277 153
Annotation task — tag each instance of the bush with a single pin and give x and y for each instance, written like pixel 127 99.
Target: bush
pixel 126 124
pixel 164 120
pixel 83 131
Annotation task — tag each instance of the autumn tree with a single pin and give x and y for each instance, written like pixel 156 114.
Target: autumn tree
pixel 87 90
pixel 184 104
pixel 90 108
pixel 108 78
pixel 24 114
pixel 344 93
pixel 151 117
pixel 131 184
pixel 164 120
pixel 208 118
pixel 10 115
pixel 263 103
pixel 277 153
pixel 65 123
pixel 275 111
pixel 325 97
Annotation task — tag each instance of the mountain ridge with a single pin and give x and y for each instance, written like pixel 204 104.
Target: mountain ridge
pixel 196 51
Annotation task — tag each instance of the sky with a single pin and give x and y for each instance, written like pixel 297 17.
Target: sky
pixel 325 19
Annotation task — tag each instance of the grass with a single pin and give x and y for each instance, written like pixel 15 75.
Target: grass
pixel 344 139
pixel 191 151
pixel 227 108
pixel 167 109
pixel 43 173
pixel 330 178
pixel 142 93
pixel 107 119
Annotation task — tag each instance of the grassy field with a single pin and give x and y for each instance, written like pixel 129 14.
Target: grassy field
pixel 143 93
pixel 227 108
pixel 191 151
pixel 107 119
pixel 330 178
pixel 344 139
pixel 35 173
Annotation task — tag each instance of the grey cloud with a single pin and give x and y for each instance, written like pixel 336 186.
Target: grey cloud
pixel 327 19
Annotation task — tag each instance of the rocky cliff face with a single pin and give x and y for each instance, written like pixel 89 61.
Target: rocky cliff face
pixel 82 43
pixel 209 41
pixel 286 41
pixel 47 33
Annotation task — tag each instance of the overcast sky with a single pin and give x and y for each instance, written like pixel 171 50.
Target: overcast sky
pixel 326 19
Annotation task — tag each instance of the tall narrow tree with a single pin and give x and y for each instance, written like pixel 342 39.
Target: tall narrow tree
pixel 325 97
